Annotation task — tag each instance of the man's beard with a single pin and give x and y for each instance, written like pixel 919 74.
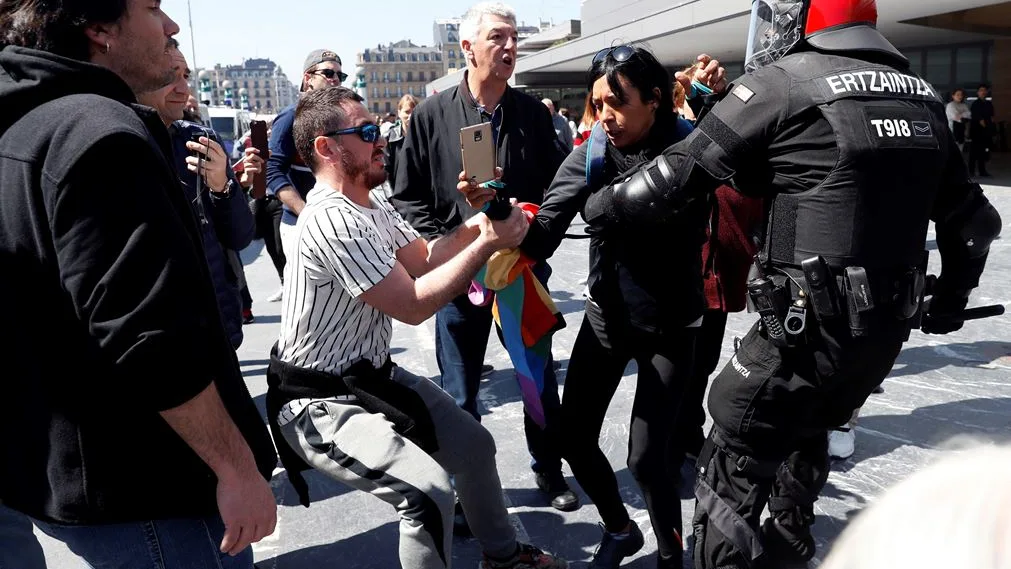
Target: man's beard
pixel 361 170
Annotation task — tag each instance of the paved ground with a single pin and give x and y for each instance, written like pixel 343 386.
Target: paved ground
pixel 941 387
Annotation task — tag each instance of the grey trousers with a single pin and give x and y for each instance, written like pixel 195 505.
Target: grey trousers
pixel 362 450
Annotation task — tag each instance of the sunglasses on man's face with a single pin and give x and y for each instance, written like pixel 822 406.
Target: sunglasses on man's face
pixel 368 132
pixel 330 74
pixel 619 54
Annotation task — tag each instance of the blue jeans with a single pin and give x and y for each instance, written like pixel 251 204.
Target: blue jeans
pixel 19 548
pixel 157 544
pixel 461 339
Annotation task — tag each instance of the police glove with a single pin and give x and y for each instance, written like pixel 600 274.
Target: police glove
pixel 942 314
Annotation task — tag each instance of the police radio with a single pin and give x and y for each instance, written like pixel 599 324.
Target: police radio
pixel 762 292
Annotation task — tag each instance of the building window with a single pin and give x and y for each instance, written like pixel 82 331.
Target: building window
pixel 452 54
pixel 256 84
pixel 410 90
pixel 375 107
pixel 389 107
pixel 452 65
pixel 375 77
pixel 403 57
pixel 269 105
pixel 969 67
pixel 375 92
pixel 410 76
pixel 266 84
pixel 421 76
pixel 414 57
pixel 386 76
pixel 400 91
pixel 379 58
pixel 245 84
pixel 938 68
pixel 398 77
pixel 424 57
pixel 386 92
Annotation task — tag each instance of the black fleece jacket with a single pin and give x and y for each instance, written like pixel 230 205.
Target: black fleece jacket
pixel 109 314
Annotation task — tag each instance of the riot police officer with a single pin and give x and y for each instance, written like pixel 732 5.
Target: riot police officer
pixel 854 153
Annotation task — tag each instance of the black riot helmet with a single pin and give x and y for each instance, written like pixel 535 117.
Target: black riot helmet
pixel 779 27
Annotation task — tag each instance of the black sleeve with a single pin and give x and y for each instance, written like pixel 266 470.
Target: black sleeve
pixel 414 194
pixel 563 200
pixel 133 274
pixel 965 225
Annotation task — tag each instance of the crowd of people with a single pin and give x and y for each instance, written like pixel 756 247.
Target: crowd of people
pixel 133 273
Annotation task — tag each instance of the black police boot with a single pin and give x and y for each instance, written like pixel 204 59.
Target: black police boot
pixel 554 485
pixel 613 549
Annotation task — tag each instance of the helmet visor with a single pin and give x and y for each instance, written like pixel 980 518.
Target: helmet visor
pixel 776 26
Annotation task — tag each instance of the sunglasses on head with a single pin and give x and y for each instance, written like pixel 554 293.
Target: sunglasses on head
pixel 619 53
pixel 368 132
pixel 330 74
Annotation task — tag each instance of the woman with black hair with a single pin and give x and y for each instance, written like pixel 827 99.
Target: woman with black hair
pixel 644 303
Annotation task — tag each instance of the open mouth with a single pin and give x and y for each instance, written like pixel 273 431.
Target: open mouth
pixel 507 60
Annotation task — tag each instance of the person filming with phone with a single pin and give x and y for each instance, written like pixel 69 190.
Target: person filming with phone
pixel 429 168
pixel 211 188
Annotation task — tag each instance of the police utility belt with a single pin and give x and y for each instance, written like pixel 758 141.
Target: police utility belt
pixel 784 299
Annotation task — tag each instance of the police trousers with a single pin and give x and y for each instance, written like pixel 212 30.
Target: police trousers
pixel 771 408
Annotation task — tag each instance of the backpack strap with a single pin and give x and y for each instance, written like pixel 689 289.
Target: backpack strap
pixel 595 151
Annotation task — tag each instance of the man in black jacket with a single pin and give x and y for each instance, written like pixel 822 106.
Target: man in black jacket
pixel 127 420
pixel 429 168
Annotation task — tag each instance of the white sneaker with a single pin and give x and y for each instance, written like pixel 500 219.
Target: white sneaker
pixel 841 444
pixel 276 297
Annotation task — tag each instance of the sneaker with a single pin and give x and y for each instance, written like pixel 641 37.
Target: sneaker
pixel 486 370
pixel 276 297
pixel 554 485
pixel 841 444
pixel 613 549
pixel 526 557
pixel 247 316
pixel 460 526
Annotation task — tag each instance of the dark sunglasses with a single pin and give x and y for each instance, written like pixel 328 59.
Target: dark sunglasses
pixel 368 132
pixel 619 53
pixel 330 74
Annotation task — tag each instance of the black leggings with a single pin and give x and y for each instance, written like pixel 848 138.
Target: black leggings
pixel 598 360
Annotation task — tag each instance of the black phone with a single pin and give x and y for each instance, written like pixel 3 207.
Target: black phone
pixel 195 137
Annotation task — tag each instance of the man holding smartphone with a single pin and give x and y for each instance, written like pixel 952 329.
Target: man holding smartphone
pixel 288 178
pixel 211 188
pixel 429 168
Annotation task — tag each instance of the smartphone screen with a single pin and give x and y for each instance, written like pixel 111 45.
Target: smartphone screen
pixel 477 148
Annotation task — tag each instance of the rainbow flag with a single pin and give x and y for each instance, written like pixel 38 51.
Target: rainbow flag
pixel 526 316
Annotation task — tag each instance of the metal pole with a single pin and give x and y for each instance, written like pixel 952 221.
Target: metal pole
pixel 193 42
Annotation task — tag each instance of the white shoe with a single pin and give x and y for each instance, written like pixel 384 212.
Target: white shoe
pixel 841 444
pixel 276 297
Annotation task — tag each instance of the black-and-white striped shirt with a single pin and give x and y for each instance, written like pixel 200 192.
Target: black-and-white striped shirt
pixel 343 250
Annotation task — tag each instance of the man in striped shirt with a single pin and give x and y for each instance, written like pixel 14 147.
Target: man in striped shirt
pixel 356 265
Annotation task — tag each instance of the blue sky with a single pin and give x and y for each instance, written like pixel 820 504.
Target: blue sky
pixel 286 31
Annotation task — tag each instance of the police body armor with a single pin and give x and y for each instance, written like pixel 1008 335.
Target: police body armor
pixel 869 217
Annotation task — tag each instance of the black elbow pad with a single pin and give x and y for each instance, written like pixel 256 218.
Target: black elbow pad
pixel 981 230
pixel 640 196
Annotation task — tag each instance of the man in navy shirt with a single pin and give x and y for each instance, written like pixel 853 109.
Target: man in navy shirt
pixel 288 178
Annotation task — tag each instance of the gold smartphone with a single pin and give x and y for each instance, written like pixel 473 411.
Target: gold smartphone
pixel 477 148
